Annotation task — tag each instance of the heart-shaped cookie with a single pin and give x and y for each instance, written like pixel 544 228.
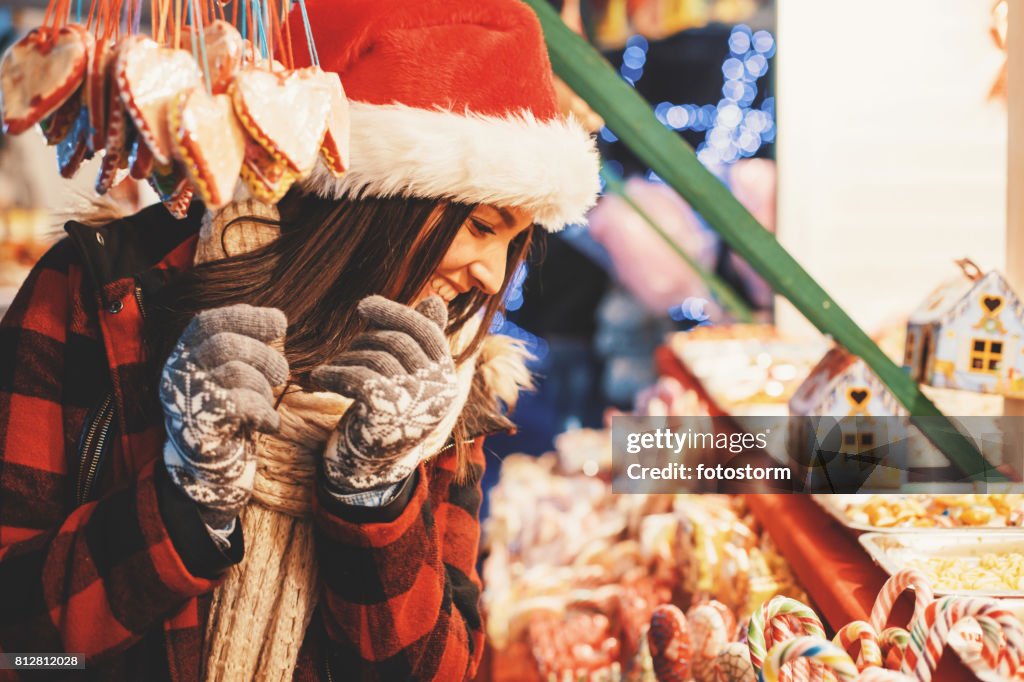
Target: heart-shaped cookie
pixel 285 112
pixel 177 204
pixel 39 72
pixel 172 187
pixel 96 95
pixel 335 145
pixel 74 148
pixel 116 142
pixel 224 48
pixel 57 125
pixel 268 179
pixel 209 141
pixel 148 78
pixel 140 159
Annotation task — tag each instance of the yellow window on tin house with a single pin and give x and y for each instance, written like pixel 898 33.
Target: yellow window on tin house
pixel 858 442
pixel 986 356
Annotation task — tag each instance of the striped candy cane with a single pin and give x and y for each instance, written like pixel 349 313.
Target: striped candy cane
pixel 893 588
pixel 1002 636
pixel 834 659
pixel 893 642
pixel 779 620
pixel 861 632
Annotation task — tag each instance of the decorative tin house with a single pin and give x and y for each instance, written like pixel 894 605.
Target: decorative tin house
pixel 844 426
pixel 967 335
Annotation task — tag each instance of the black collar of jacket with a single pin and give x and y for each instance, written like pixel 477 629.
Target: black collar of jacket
pixel 133 245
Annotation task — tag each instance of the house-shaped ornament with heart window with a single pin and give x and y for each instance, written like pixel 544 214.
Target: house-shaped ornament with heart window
pixel 967 335
pixel 848 429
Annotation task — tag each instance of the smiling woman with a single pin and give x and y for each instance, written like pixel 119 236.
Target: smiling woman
pixel 477 257
pixel 321 389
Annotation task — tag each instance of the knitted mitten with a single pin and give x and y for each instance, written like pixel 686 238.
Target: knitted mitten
pixel 215 388
pixel 401 375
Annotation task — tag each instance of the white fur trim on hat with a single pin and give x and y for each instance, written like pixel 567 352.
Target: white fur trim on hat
pixel 547 168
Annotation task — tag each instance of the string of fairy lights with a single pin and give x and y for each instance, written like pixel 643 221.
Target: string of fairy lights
pixel 734 129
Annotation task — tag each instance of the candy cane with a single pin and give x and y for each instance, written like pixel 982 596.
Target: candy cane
pixel 930 634
pixel 870 654
pixel 893 588
pixel 972 639
pixel 773 621
pixel 710 625
pixel 733 664
pixel 893 642
pixel 817 649
pixel 669 640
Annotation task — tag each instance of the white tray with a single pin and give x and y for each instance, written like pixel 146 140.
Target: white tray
pixel 835 506
pixel 894 552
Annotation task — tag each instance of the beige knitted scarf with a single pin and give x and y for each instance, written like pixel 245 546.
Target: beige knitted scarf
pixel 260 612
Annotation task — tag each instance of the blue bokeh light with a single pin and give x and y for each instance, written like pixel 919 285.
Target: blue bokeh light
pixel 764 43
pixel 733 128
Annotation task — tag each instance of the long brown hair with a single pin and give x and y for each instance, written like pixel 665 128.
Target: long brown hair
pixel 330 255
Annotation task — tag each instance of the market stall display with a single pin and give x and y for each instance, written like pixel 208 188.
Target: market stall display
pixel 562 549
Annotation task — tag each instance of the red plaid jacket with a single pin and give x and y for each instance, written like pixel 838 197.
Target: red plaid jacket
pixel 101 555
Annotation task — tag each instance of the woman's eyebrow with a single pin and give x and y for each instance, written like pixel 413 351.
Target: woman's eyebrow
pixel 507 216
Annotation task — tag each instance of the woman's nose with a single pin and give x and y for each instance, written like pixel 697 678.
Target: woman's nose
pixel 488 273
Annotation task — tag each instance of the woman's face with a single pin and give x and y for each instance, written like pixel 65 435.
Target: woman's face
pixel 477 257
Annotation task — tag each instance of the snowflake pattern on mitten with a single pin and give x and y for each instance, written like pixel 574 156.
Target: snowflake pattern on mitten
pixel 215 388
pixel 402 379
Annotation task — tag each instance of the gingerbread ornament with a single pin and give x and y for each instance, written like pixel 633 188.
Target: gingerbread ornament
pixel 40 72
pixel 57 125
pixel 96 94
pixel 149 77
pixel 224 50
pixel 335 146
pixel 267 178
pixel 209 141
pixel 286 113
pixel 74 148
pixel 118 134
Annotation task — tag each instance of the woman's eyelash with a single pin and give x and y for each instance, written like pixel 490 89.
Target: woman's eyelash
pixel 482 227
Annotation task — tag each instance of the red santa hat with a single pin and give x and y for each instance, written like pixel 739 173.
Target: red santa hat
pixel 451 99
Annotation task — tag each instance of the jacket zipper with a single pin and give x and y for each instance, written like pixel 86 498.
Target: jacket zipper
pixel 92 447
pixel 138 299
pixel 97 433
